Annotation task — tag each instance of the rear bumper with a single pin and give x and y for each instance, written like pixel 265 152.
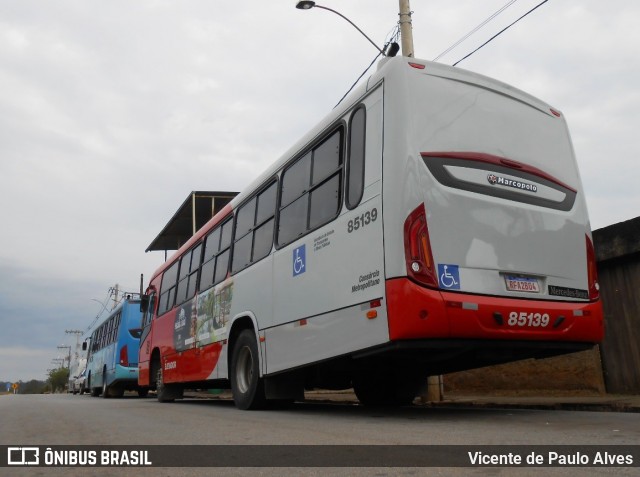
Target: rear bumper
pixel 415 312
pixel 126 373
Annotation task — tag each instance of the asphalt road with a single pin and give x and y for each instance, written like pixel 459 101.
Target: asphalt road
pixel 54 420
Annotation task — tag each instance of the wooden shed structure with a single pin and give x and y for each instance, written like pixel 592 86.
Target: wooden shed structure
pixel 617 250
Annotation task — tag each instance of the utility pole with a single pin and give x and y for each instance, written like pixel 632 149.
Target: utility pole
pixel 69 358
pixel 78 334
pixel 76 353
pixel 115 296
pixel 406 30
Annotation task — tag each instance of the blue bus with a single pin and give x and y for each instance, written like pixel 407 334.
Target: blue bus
pixel 112 359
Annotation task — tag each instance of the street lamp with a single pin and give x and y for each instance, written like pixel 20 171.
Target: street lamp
pixel 308 5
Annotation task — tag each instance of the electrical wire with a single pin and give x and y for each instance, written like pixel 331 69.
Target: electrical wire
pixel 498 12
pixel 501 31
pixel 356 82
pixel 392 36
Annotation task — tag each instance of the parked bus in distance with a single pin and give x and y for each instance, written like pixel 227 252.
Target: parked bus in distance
pixel 112 358
pixel 433 222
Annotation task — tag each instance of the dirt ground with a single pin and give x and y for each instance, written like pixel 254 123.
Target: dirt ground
pixel 572 374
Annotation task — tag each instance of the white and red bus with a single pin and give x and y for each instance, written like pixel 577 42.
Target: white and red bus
pixel 435 221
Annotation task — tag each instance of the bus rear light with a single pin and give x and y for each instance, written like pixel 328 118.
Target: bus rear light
pixel 371 314
pixel 375 303
pixel 417 248
pixel 592 271
pixel 417 66
pixel 124 359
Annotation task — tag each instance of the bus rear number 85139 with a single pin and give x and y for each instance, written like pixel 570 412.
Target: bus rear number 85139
pixel 528 319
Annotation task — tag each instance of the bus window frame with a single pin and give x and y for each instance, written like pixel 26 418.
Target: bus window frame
pixel 339 127
pixel 347 190
pixel 253 229
pixel 217 254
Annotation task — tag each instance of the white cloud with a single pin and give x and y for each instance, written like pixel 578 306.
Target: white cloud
pixel 24 363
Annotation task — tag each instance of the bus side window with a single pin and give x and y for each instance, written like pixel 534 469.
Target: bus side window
pixel 189 265
pixel 254 229
pixel 310 194
pixel 356 160
pixel 265 216
pixel 148 314
pixel 168 288
pixel 116 327
pixel 196 256
pixel 211 248
pixel 183 278
pixel 222 261
pixel 245 218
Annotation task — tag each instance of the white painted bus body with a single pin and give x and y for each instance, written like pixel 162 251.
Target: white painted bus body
pixel 493 171
pixel 317 316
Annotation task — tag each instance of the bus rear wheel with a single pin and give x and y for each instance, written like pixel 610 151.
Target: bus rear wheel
pixel 246 385
pixel 95 392
pixel 106 392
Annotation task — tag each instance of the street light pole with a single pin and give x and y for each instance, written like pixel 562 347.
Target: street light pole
pixel 406 29
pixel 308 4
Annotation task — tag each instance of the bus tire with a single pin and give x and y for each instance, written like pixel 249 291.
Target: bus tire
pixel 166 392
pixel 95 392
pixel 246 385
pixel 370 390
pixel 106 392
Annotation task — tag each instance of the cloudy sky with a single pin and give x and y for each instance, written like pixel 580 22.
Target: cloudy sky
pixel 112 112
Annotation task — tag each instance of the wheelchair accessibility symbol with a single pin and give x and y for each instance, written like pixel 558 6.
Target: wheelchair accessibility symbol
pixel 299 260
pixel 449 276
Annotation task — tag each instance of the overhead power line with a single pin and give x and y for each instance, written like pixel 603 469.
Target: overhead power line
pixel 495 14
pixel 501 32
pixel 393 36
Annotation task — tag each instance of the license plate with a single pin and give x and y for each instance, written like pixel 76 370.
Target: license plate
pixel 522 284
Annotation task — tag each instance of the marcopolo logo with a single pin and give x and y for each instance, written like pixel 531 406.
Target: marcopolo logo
pixel 498 180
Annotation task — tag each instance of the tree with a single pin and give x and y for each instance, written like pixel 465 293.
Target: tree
pixel 32 387
pixel 58 379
